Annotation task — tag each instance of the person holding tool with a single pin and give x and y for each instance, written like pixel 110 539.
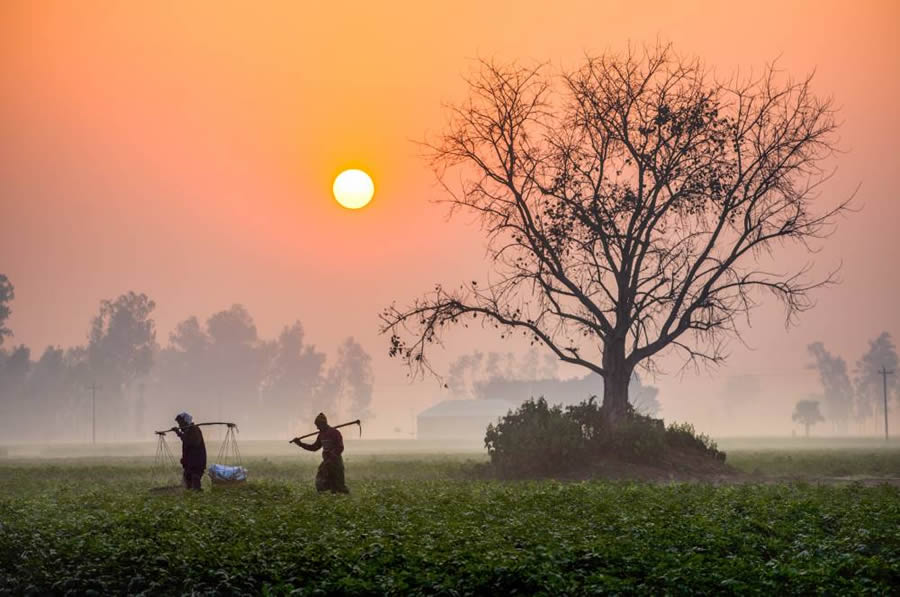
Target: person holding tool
pixel 330 476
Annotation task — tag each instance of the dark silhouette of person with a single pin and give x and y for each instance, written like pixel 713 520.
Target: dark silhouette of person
pixel 193 451
pixel 330 476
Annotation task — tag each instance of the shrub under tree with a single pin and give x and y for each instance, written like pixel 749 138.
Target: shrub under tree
pixel 540 440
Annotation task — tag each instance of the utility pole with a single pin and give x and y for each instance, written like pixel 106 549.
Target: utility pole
pixel 884 373
pixel 94 387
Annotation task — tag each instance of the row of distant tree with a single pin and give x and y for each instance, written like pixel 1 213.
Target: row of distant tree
pixel 129 384
pixel 495 375
pixel 851 401
pixel 856 397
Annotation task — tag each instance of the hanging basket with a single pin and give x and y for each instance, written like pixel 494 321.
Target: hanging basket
pixel 228 470
pixel 227 476
pixel 166 470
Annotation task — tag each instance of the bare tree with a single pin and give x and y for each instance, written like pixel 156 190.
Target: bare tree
pixel 806 412
pixel 838 392
pixel 122 340
pixel 7 294
pixel 627 204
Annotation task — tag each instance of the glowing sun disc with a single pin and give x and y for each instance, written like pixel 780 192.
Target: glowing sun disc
pixel 353 189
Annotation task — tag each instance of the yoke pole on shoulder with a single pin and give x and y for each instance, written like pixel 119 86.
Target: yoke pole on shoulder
pixel 356 422
pixel 230 426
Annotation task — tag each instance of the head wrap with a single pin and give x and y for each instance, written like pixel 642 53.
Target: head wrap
pixel 184 417
pixel 321 418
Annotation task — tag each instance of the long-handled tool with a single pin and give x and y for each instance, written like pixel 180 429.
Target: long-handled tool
pixel 230 426
pixel 356 422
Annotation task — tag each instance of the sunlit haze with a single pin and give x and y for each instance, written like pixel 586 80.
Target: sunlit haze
pixel 190 151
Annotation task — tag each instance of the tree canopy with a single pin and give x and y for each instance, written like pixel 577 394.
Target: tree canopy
pixel 627 204
pixel 806 412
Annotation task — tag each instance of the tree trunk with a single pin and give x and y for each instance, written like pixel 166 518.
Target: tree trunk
pixel 807 430
pixel 616 380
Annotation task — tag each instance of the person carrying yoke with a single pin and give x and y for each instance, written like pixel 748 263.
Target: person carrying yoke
pixel 193 450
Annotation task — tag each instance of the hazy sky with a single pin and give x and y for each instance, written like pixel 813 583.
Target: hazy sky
pixel 187 150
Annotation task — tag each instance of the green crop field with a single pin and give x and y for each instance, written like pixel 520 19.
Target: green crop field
pixel 435 525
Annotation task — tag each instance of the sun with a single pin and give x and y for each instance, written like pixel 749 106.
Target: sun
pixel 353 189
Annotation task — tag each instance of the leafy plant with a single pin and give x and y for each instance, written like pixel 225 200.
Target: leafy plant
pixel 539 440
pixel 535 440
pixel 683 435
pixel 88 528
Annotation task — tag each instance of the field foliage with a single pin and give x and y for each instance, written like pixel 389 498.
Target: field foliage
pixel 425 526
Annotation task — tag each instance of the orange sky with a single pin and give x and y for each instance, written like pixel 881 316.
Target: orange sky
pixel 187 150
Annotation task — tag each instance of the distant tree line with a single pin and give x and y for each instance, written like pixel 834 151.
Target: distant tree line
pixel 859 399
pixel 216 369
pixel 504 376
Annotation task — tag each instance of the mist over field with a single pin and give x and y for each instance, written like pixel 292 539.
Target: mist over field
pixel 129 380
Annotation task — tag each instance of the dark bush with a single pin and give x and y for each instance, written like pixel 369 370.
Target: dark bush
pixel 683 436
pixel 536 440
pixel 540 440
pixel 635 438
